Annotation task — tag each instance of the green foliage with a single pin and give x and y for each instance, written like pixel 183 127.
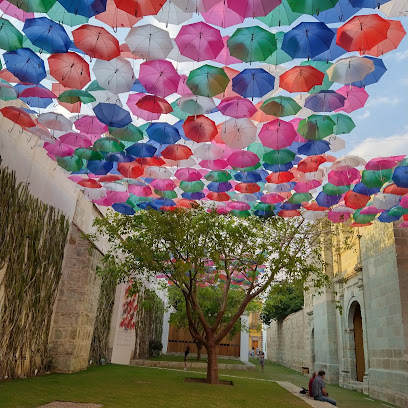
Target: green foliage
pixel 283 299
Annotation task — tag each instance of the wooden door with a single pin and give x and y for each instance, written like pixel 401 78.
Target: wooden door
pixel 358 340
pixel 255 344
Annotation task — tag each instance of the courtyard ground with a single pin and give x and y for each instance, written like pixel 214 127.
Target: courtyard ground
pixel 116 386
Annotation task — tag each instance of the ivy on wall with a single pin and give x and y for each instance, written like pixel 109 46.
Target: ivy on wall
pixel 32 241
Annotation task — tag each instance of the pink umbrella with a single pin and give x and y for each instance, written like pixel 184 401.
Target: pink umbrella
pixel 90 125
pixel 76 139
pixel 199 41
pixel 243 159
pixel 356 98
pixel 239 205
pixel 140 191
pixel 371 209
pixel 277 134
pixel 159 77
pixel 37 92
pixel 58 149
pixel 13 11
pixel 218 164
pixel 224 57
pixel 182 88
pixel 222 16
pixel 306 186
pixel 163 184
pixel 117 196
pixel 140 113
pixel 237 107
pixel 344 177
pixel 382 163
pixel 272 198
pixel 253 8
pixel 404 201
pixel 338 217
pixel 209 151
pixel 188 174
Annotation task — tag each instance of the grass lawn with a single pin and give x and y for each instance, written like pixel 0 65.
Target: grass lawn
pixel 127 387
pixel 192 359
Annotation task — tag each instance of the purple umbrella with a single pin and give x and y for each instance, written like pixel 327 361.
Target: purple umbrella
pixel 325 101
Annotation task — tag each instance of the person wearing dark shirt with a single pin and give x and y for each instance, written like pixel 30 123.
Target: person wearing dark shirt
pixel 311 383
pixel 186 353
pixel 319 390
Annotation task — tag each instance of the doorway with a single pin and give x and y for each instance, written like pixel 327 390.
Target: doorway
pixel 359 343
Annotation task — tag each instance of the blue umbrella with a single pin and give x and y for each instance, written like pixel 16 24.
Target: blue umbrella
pixel 400 176
pixel 33 101
pixel 325 200
pixel 385 217
pixel 26 65
pixel 219 187
pixel 342 11
pixel 285 187
pixel 361 188
pixel 193 196
pixel 372 77
pixel 163 133
pixel 123 208
pixel 307 40
pixel 141 150
pixel 112 115
pixel 277 168
pixel 248 177
pixel 99 167
pixel 325 101
pixel 253 82
pixel 119 157
pixel 289 206
pixel 314 147
pixel 145 205
pixel 163 202
pixel 334 52
pixel 179 126
pixel 367 3
pixel 47 35
pixel 86 8
pixel 138 87
pixel 159 146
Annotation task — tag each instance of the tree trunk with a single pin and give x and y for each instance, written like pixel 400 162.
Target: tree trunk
pixel 199 347
pixel 212 364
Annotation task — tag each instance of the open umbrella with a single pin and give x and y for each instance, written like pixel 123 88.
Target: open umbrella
pixel 10 38
pixel 238 133
pixel 96 42
pixel 237 107
pixel 33 6
pixel 141 150
pixel 350 69
pixel 279 56
pixel 209 151
pixel 149 41
pixel 47 35
pixel 163 133
pixel 15 12
pixel 90 125
pixel 280 156
pixel 223 15
pixel 76 139
pixel 282 15
pixel 170 13
pixel 199 128
pixel 374 76
pixel 277 134
pixel 207 81
pixel 140 8
pixel 177 152
pixel 311 7
pixel 325 101
pixel 196 104
pixel 147 115
pixel 55 121
pixel 18 116
pixel 199 41
pixel 356 98
pixel 253 8
pixel 280 106
pixel 343 124
pixel 251 44
pixel 115 17
pixel 154 104
pixel 112 115
pixel 395 34
pixel 342 11
pixel 76 95
pixel 243 159
pixel 253 82
pixel 86 8
pixel 25 65
pixel 301 79
pixel 316 127
pixel 314 147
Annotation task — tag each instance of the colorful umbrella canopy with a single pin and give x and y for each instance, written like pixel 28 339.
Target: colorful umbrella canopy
pixel 10 38
pixel 350 69
pixel 280 106
pixel 301 79
pixel 277 134
pixel 207 81
pixel 238 133
pixel 237 107
pixel 253 82
pixel 112 115
pixel 325 101
pixel 25 65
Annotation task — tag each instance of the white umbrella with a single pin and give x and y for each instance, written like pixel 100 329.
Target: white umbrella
pixel 209 151
pixel 247 198
pixel 343 209
pixel 347 162
pixel 238 133
pixel 157 172
pixel 55 121
pixel 384 201
pixel 395 8
pixel 149 41
pixel 195 6
pixel 350 69
pixel 196 104
pixel 115 186
pixel 170 13
pixel 116 75
pixel 105 97
pixel 314 215
pixel 95 193
pixel 336 143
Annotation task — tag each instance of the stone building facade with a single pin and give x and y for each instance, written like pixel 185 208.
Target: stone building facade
pixel 356 330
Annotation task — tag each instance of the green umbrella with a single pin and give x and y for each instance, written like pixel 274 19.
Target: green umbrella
pixel 240 214
pixel 76 95
pixel 264 207
pixel 207 81
pixel 299 198
pixel 251 44
pixel 62 16
pixel 129 133
pixel 109 145
pixel 10 38
pixel 259 149
pixel 134 200
pixel 316 127
pixel 94 86
pixel 280 156
pixel 166 194
pixel 177 112
pixel 7 92
pixel 71 163
pixel 281 106
pixel 219 176
pixel 34 6
pixel 282 15
pixel 397 211
pixel 363 218
pixel 343 124
pixel 375 178
pixel 89 153
pixel 322 66
pixel 279 56
pixel 331 189
pixel 192 186
pixel 311 7
pixel 257 166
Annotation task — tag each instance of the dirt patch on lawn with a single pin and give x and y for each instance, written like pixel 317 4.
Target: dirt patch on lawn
pixel 66 404
pixel 204 381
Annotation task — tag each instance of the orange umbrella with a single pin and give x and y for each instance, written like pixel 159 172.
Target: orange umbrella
pixel 115 17
pixel 96 42
pixel 18 116
pixel 200 128
pixel 177 152
pixel 140 8
pixel 69 69
pixel 301 79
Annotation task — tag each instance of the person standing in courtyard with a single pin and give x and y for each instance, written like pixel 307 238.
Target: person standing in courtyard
pixel 262 360
pixel 319 390
pixel 186 353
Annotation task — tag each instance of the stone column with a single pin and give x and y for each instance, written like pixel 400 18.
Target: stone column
pixel 76 305
pixel 166 327
pixel 244 347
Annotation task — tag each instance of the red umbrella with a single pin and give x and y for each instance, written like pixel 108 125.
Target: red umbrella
pixel 140 8
pixel 96 42
pixel 394 189
pixel 279 178
pixel 200 128
pixel 311 163
pixel 18 116
pixel 177 152
pixel 395 35
pixel 288 213
pixel 356 200
pixel 218 196
pixel 150 161
pixel 301 79
pixel 37 92
pixel 247 188
pixel 115 17
pixel 89 183
pixel 154 104
pixel 131 169
pixel 362 33
pixel 69 69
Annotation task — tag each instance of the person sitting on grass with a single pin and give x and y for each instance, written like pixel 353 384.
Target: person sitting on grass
pixel 319 390
pixel 314 375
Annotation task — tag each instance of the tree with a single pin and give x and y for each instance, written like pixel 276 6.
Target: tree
pixel 284 298
pixel 209 299
pixel 195 248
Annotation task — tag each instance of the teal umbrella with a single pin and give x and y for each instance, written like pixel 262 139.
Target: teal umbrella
pixel 71 163
pixel 259 149
pixel 343 124
pixel 94 86
pixel 10 38
pixel 88 153
pixel 58 13
pixel 331 189
pixel 109 145
pixel 299 198
pixel 219 176
pixel 129 133
pixel 177 112
pixel 280 156
pixel 76 95
pixel 279 56
pixel 311 7
pixel 363 218
pixel 207 81
pixel 282 15
pixel 192 186
pixel 7 92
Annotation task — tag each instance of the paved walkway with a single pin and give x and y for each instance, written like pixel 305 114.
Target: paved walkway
pixel 63 404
